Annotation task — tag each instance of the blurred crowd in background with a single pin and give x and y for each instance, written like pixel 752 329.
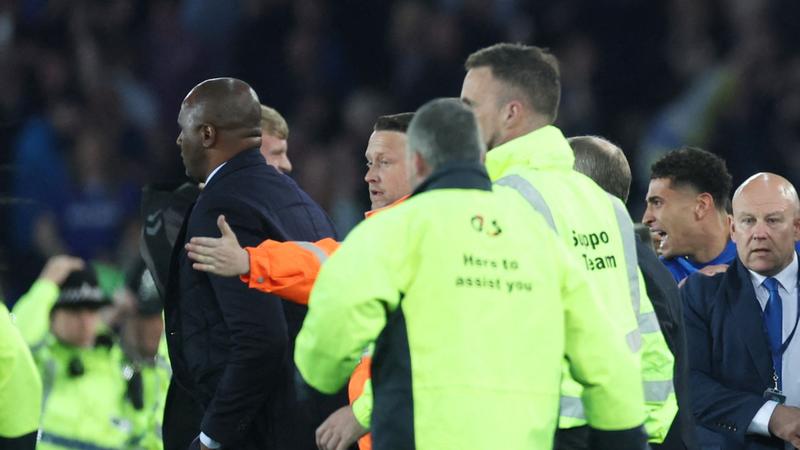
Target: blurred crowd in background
pixel 91 90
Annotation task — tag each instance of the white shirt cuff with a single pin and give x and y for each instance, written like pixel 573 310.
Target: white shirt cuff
pixel 760 423
pixel 208 442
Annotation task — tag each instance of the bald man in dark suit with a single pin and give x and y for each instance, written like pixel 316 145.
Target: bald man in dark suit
pixel 231 346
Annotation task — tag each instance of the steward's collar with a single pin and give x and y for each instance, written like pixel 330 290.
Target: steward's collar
pixel 545 148
pixel 457 175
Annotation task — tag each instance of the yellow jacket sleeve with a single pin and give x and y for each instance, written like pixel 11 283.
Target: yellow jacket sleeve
pixel 362 406
pixel 32 311
pixel 347 310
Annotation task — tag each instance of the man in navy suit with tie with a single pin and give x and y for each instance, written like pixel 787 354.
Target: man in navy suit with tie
pixel 744 356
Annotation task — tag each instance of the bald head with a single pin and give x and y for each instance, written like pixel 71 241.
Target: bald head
pixel 219 118
pixel 770 188
pixel 766 223
pixel 603 162
pixel 227 103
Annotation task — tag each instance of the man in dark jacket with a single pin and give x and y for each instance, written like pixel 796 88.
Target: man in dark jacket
pixel 231 346
pixel 605 163
pixel 744 360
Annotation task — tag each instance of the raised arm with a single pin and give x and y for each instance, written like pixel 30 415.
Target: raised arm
pixel 32 311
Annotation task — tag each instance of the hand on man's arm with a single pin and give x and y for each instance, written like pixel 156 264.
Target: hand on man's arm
pixel 221 256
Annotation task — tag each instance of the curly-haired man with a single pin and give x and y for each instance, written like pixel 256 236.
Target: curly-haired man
pixel 687 209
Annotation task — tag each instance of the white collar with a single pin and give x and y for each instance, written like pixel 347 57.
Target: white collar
pixel 214 172
pixel 786 277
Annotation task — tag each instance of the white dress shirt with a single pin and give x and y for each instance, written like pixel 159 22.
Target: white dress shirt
pixel 214 172
pixel 790 379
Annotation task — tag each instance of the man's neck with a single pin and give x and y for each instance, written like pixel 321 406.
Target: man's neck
pixel 522 130
pixel 226 151
pixel 712 242
pixel 216 160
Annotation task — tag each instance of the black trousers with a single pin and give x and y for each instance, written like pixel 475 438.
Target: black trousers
pixel 25 442
pixel 578 439
pixel 572 439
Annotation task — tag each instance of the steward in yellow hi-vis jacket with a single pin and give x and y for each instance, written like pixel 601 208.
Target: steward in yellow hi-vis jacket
pixel 474 303
pixel 596 227
pixel 514 89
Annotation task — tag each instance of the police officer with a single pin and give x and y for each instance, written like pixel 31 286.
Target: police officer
pixel 476 304
pixel 146 365
pixel 81 369
pixel 514 91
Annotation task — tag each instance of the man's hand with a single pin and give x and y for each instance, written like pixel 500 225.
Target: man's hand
pixel 59 267
pixel 340 430
pixel 785 424
pixel 220 256
pixel 713 269
pixel 707 271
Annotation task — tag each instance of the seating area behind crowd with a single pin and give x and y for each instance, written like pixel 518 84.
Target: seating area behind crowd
pixel 257 305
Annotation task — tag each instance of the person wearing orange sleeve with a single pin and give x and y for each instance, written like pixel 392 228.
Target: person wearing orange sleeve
pixel 289 269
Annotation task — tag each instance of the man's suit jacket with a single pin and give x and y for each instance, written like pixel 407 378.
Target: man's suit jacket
pixel 663 292
pixel 230 346
pixel 729 359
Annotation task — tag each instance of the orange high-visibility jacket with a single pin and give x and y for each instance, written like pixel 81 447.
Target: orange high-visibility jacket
pixel 289 270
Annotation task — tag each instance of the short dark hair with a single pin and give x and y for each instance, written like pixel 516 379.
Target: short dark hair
pixel 394 122
pixel 532 70
pixel 699 169
pixel 445 130
pixel 605 163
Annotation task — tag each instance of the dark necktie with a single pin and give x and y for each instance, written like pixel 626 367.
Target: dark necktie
pixel 773 321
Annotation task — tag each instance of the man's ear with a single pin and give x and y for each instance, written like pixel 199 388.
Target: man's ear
pixel 512 113
pixel 421 166
pixel 208 135
pixel 704 205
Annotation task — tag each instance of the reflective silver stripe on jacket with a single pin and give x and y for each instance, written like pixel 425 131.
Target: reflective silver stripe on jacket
pixel 658 391
pixel 629 247
pixel 531 194
pixel 571 407
pixel 648 323
pixel 625 225
pixel 318 252
pixel 65 442
pixel 654 391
